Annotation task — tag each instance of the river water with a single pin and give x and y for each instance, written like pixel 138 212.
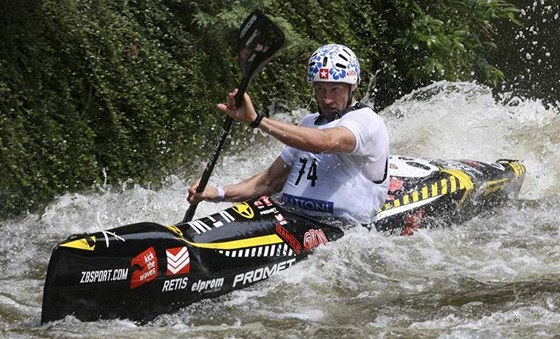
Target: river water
pixel 495 276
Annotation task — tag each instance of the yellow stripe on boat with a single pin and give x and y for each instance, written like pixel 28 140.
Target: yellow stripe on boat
pixel 406 199
pixel 81 244
pixel 243 243
pixel 495 185
pixel 465 182
pixel 443 186
pixel 518 168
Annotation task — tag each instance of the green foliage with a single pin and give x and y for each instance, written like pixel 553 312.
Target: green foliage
pixel 129 88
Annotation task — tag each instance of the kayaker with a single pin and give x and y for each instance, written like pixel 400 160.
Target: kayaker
pixel 335 161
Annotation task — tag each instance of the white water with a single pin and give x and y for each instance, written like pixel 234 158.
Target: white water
pixel 495 276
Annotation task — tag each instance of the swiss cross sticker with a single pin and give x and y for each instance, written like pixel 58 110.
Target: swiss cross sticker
pixel 324 73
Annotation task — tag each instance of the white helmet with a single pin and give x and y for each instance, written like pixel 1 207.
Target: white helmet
pixel 334 63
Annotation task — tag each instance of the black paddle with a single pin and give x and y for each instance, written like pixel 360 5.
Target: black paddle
pixel 259 38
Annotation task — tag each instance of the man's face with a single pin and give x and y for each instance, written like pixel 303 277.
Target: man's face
pixel 332 97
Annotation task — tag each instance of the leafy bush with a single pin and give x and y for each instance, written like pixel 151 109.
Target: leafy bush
pixel 95 88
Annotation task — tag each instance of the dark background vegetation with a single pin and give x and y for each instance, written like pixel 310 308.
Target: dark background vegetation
pixel 530 55
pixel 104 91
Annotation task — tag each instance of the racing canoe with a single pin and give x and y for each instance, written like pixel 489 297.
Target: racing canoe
pixel 142 270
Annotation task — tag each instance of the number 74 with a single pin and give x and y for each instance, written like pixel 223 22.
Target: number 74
pixel 311 175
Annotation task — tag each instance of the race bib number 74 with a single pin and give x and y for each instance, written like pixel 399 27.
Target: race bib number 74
pixel 311 171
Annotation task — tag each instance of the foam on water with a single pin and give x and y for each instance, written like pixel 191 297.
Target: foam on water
pixel 495 274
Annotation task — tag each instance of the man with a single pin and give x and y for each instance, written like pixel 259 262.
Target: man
pixel 335 161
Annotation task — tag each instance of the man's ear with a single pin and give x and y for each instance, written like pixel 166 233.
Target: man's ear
pixel 354 87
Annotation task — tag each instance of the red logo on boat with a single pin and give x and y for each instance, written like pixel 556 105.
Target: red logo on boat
pixel 413 222
pixel 263 201
pixel 144 268
pixel 178 261
pixel 289 238
pixel 395 184
pixel 313 238
pixel 280 218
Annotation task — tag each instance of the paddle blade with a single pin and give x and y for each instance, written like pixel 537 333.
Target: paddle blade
pixel 259 38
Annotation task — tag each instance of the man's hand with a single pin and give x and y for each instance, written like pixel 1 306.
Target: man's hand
pixel 246 113
pixel 210 193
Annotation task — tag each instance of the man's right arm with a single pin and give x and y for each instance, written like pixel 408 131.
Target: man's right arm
pixel 267 182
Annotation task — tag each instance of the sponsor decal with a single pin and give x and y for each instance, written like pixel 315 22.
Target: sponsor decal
pixel 313 238
pixel 207 286
pixel 244 210
pixel 178 261
pixel 175 284
pixel 323 73
pixel 100 276
pixel 263 202
pixel 268 211
pixel 199 226
pixel 289 238
pixel 413 222
pixel 280 219
pixel 395 184
pixel 225 216
pixel 205 225
pixel 261 273
pixel 265 205
pixel 247 26
pixel 144 268
pixel 309 204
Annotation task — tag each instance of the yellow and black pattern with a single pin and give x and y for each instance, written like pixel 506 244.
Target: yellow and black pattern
pixel 276 250
pixel 456 181
pixel 495 186
pixel 459 180
pixel 264 246
pixel 518 168
pixel 499 184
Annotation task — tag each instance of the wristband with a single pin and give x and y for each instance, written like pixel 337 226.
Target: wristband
pixel 258 120
pixel 221 194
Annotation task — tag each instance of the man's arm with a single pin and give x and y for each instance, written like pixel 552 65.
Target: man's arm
pixel 314 140
pixel 330 140
pixel 265 183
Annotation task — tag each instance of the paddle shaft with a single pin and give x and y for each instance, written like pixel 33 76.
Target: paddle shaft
pixel 259 39
pixel 217 149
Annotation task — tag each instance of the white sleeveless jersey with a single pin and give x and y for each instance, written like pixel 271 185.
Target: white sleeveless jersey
pixel 351 186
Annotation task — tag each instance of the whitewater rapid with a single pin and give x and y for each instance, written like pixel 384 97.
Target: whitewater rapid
pixel 498 275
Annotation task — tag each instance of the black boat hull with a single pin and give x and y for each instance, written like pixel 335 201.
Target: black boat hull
pixel 139 271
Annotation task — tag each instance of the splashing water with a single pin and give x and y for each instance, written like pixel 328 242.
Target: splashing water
pixel 496 275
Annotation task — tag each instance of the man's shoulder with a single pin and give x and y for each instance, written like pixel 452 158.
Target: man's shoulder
pixel 309 119
pixel 363 112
